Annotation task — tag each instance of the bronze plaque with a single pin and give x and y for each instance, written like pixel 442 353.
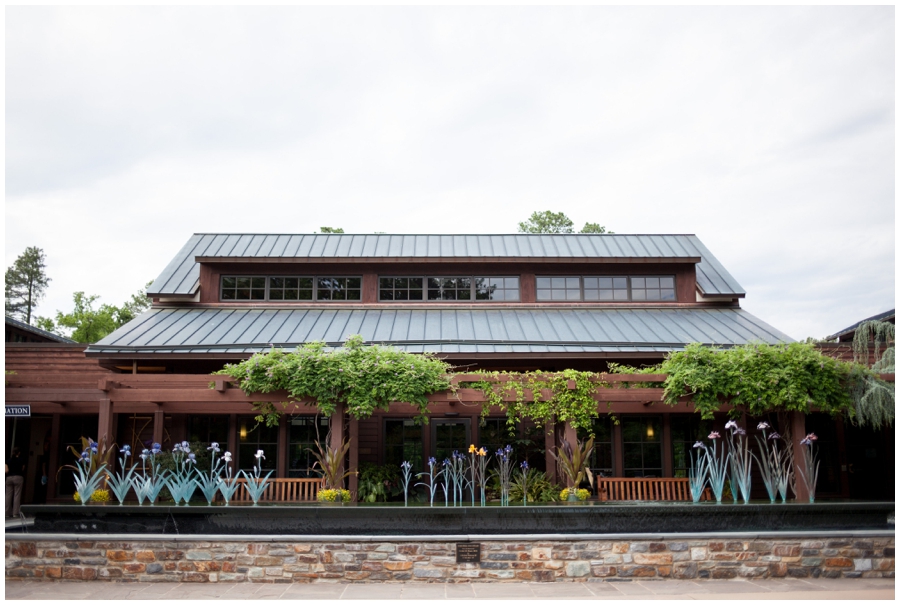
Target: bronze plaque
pixel 468 552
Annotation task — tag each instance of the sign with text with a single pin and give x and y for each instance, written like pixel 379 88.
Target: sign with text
pixel 18 411
pixel 468 552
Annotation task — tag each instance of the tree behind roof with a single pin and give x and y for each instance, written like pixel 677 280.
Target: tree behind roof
pixel 556 222
pixel 26 283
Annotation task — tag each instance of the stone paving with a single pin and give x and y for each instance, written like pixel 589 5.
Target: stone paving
pixel 772 589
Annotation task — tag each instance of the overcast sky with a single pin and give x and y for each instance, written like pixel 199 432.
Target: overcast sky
pixel 768 132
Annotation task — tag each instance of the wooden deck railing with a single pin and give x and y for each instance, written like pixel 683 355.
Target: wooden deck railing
pixel 645 488
pixel 284 490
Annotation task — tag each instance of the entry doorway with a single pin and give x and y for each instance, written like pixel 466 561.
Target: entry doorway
pixel 449 434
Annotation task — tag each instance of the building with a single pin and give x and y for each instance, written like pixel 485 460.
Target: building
pixel 496 302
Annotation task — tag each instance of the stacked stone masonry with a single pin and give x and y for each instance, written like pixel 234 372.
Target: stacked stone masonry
pixel 556 561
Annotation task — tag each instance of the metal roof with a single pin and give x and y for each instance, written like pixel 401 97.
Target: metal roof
pixel 886 316
pixel 37 331
pixel 181 277
pixel 533 330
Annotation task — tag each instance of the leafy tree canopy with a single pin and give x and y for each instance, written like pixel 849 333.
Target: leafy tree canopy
pixel 556 222
pixel 89 324
pixel 26 283
pixel 330 230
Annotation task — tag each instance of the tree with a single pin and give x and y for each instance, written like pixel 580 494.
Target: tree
pixel 26 282
pixel 89 324
pixel 556 222
pixel 330 230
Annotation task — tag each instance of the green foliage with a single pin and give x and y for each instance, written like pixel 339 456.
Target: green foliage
pixel 593 228
pixel 576 406
pixel 203 459
pixel 89 324
pixel 555 222
pixel 757 378
pixel 879 333
pixel 330 461
pixel 379 483
pixel 330 230
pixel 540 488
pixel 26 283
pixel 761 378
pixel 366 378
pixel 574 461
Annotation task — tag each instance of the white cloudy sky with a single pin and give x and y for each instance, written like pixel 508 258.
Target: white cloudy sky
pixel 768 132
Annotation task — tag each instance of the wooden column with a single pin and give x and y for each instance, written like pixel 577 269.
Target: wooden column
pixel 549 449
pixel 668 462
pixel 798 433
pixel 53 454
pixel 842 457
pixel 618 451
pixel 232 442
pixel 158 425
pixel 104 422
pixel 281 461
pixel 354 455
pixel 571 436
pixel 336 428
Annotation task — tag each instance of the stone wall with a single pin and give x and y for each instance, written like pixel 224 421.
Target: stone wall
pixel 385 561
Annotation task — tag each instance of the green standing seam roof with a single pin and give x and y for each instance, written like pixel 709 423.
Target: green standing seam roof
pixel 181 277
pixel 562 330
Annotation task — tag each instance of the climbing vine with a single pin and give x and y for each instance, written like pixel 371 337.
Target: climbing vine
pixel 761 378
pixel 542 397
pixel 365 377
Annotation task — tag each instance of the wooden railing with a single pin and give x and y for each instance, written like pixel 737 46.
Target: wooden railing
pixel 645 488
pixel 283 490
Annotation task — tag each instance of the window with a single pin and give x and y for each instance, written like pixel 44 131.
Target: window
pixel 559 288
pixel 607 288
pixel 338 288
pixel 652 288
pixel 687 429
pixel 254 436
pixel 465 288
pixel 449 288
pixel 642 446
pixel 208 428
pixel 243 288
pixel 497 288
pixel 602 456
pixel 291 288
pixel 302 437
pixel 494 434
pixel 400 288
pixel 403 442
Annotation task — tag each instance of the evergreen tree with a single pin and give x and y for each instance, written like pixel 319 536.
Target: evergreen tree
pixel 26 283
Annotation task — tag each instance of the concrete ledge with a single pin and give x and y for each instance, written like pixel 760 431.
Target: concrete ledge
pixel 49 537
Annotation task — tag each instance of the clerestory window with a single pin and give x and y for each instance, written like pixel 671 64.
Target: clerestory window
pixel 462 288
pixel 291 288
pixel 602 288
